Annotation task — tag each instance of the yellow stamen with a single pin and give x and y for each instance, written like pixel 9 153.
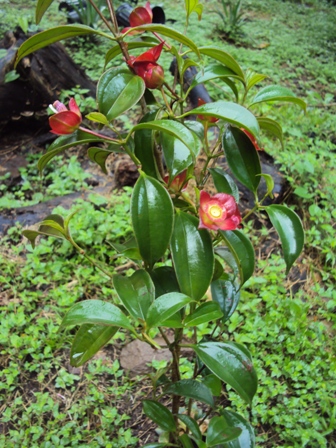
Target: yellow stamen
pixel 215 211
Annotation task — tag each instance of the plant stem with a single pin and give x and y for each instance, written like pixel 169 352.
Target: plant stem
pixel 102 17
pixel 112 14
pixel 105 137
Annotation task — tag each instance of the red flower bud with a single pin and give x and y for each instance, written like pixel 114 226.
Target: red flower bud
pixel 200 102
pixel 141 15
pixel 218 212
pixel 65 121
pixel 178 182
pixel 146 67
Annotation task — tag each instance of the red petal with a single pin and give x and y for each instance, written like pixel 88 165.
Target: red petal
pixel 74 107
pixel 151 55
pixel 64 122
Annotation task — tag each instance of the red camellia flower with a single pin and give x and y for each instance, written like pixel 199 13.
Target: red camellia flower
pixel 218 212
pixel 146 67
pixel 253 139
pixel 200 102
pixel 65 121
pixel 141 15
pixel 178 182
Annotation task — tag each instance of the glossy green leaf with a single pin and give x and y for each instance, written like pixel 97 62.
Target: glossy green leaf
pixel 151 203
pixel 253 78
pixel 193 6
pixel 191 424
pixel 196 127
pixel 116 50
pixel 45 38
pixel 171 127
pixel 224 292
pixel 64 142
pixel 192 389
pixel 164 307
pixel 231 365
pixel 52 225
pixel 213 383
pixel 224 183
pixel 220 432
pixel 186 441
pixel 218 270
pixel 117 91
pixel 192 255
pixel 159 414
pixel 246 438
pixel 96 312
pixel 97 117
pixel 230 112
pixel 177 155
pixel 41 7
pixel 208 311
pixel 213 71
pixel 156 445
pixel 100 155
pixel 269 184
pixel 225 254
pixel 224 58
pixel 278 94
pixel 144 142
pixel 271 126
pixel 88 341
pixel 289 228
pixel 164 30
pixel 242 157
pixel 164 279
pixel 242 250
pixel 135 292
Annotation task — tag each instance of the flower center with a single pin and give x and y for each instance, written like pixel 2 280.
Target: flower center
pixel 215 211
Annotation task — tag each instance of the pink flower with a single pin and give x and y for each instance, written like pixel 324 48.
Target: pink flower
pixel 200 102
pixel 253 140
pixel 146 67
pixel 141 15
pixel 65 121
pixel 218 212
pixel 178 182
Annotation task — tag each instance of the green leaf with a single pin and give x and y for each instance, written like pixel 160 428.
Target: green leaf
pixel 52 35
pixel 88 341
pixel 171 127
pixel 193 6
pixel 253 78
pixel 118 90
pixel 41 7
pixel 246 438
pixel 278 94
pixel 144 142
pixel 164 307
pixel 186 441
pixel 164 279
pixel 96 312
pixel 64 142
pixel 159 414
pixel 224 58
pixel 149 204
pixel 191 389
pixel 226 295
pixel 192 255
pixel 213 383
pixel 225 254
pixel 191 424
pixel 136 292
pixel 220 432
pixel 206 312
pixel 224 183
pixel 271 126
pixel 290 230
pixel 218 270
pixel 97 117
pixel 100 155
pixel 116 50
pixel 242 157
pixel 231 365
pixel 269 184
pixel 230 112
pixel 169 32
pixel 215 71
pixel 242 250
pixel 177 155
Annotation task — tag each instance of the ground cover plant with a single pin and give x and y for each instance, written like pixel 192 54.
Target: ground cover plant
pixel 290 317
